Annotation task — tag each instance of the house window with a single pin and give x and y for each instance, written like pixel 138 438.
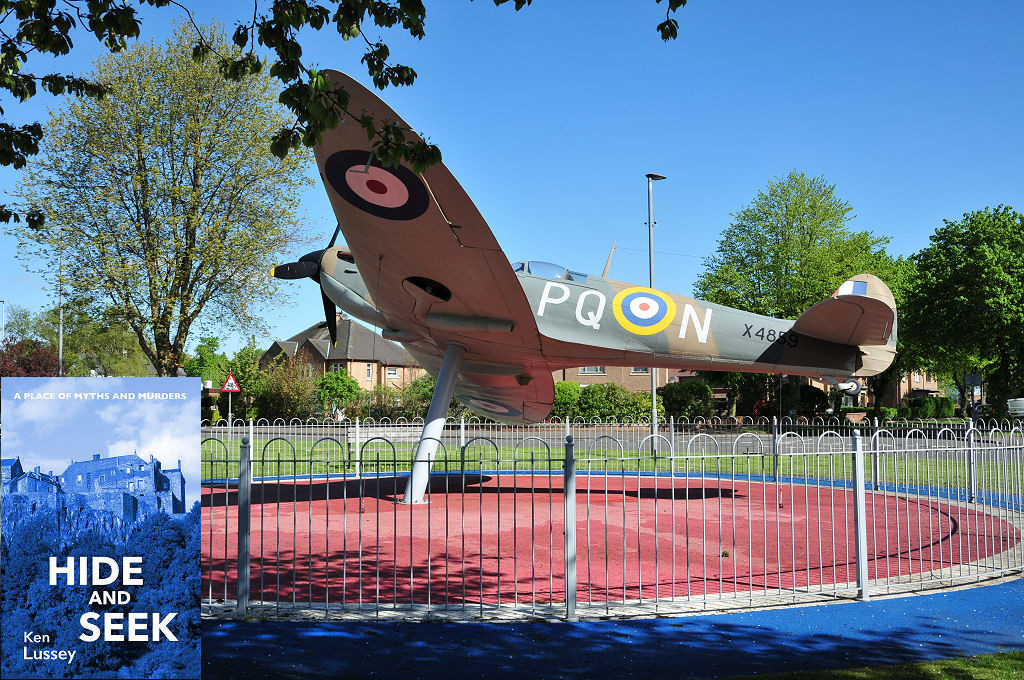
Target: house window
pixel 308 370
pixel 640 370
pixel 392 373
pixel 337 368
pixel 917 377
pixel 592 370
pixel 369 372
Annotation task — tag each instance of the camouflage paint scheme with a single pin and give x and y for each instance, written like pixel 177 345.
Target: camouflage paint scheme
pixel 422 264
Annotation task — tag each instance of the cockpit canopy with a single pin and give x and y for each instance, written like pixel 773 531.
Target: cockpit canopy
pixel 547 270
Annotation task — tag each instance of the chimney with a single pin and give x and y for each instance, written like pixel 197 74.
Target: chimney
pixel 95 456
pixel 37 468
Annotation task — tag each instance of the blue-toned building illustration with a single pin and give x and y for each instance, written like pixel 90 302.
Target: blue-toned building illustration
pixel 9 469
pixel 38 487
pixel 127 486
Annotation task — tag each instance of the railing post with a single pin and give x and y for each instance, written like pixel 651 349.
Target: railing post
pixel 570 530
pixel 244 481
pixel 775 449
pixel 875 470
pixel 972 478
pixel 860 517
pixel 359 453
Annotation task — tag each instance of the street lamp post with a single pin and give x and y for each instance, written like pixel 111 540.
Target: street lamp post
pixel 651 179
pixel 60 307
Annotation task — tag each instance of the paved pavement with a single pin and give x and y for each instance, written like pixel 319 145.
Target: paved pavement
pixel 943 624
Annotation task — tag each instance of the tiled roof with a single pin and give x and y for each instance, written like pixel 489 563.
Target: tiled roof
pixel 41 476
pixel 102 463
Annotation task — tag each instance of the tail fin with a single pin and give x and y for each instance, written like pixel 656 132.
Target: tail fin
pixel 862 313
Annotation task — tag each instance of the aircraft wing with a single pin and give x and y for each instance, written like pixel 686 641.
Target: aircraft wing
pixel 433 268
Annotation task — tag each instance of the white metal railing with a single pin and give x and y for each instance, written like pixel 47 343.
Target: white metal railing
pixel 565 520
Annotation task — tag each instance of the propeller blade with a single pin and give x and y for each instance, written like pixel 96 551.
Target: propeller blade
pixel 335 237
pixel 330 315
pixel 295 270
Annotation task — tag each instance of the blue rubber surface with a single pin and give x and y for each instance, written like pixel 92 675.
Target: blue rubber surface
pixel 941 625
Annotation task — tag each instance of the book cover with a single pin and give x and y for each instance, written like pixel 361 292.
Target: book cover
pixel 100 527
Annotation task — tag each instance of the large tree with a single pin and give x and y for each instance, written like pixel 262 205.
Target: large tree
pixel 967 300
pixel 268 34
pixel 789 249
pixel 96 341
pixel 27 358
pixel 159 201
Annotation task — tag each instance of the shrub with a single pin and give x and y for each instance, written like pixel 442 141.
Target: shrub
pixel 812 401
pixel 567 400
pixel 923 408
pixel 287 393
pixel 686 399
pixel 610 401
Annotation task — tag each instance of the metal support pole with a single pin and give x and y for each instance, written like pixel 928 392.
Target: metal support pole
pixel 244 481
pixel 860 516
pixel 434 427
pixel 654 378
pixel 60 310
pixel 570 530
pixel 651 179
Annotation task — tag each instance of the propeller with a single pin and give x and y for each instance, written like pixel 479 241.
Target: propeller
pixel 308 266
pixel 295 270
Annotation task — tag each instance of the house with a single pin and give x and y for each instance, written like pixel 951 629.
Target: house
pixel 38 487
pixel 10 468
pixel 363 354
pixel 125 486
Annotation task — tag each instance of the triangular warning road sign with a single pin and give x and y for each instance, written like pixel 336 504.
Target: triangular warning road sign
pixel 231 385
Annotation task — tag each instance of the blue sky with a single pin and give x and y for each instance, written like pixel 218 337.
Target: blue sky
pixel 46 425
pixel 551 117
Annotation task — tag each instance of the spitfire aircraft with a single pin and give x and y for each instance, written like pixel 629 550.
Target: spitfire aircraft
pixel 421 264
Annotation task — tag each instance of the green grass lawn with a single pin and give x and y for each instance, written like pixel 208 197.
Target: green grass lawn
pixel 299 457
pixel 1004 666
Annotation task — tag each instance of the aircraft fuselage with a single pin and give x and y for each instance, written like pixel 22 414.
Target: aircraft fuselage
pixel 607 322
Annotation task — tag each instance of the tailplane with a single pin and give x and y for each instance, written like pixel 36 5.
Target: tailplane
pixel 862 313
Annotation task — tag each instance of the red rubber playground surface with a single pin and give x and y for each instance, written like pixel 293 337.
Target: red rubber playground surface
pixel 500 539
